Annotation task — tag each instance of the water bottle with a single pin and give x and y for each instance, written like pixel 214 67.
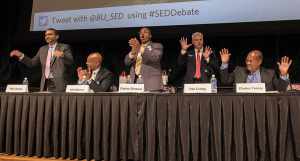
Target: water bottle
pixel 213 82
pixel 25 81
pixel 84 82
pixel 128 80
pixel 139 80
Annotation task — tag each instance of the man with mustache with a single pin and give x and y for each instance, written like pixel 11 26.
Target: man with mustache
pixel 254 73
pixel 54 59
pixel 144 60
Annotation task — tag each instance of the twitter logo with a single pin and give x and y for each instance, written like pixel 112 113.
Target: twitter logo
pixel 43 20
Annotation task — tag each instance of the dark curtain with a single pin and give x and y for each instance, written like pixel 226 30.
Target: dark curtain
pixel 272 46
pixel 9 12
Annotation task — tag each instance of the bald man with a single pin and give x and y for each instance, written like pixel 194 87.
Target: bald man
pixel 254 73
pixel 98 78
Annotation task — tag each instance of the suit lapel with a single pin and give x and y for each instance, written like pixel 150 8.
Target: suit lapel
pixel 202 60
pixel 54 58
pixel 192 52
pixel 99 74
pixel 246 74
pixel 262 75
pixel 44 58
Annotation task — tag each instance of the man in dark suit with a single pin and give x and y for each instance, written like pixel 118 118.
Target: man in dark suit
pixel 144 60
pixel 54 59
pixel 200 64
pixel 100 78
pixel 253 73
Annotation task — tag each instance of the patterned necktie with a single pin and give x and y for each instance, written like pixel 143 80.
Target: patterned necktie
pixel 93 75
pixel 198 64
pixel 138 63
pixel 49 59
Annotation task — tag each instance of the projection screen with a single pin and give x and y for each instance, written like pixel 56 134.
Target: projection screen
pixel 98 14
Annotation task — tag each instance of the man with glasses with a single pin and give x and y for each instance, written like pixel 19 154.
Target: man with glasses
pixel 144 60
pixel 253 73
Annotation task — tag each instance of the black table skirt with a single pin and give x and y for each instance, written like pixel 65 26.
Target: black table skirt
pixel 173 127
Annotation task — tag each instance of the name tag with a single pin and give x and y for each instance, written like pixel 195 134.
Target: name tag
pixel 16 88
pixel 136 88
pixel 250 88
pixel 197 88
pixel 78 89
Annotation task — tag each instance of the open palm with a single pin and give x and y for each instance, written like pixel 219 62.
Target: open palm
pixel 284 65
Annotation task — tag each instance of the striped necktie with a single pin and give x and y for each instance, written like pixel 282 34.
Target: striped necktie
pixel 138 63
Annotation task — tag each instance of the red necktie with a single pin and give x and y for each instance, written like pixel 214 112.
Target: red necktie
pixel 49 57
pixel 198 64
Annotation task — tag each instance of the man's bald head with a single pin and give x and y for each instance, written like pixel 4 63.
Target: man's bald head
pixel 96 56
pixel 254 60
pixel 257 54
pixel 94 61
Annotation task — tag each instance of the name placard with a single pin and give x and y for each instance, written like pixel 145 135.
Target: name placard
pixel 16 88
pixel 78 89
pixel 197 88
pixel 136 88
pixel 250 88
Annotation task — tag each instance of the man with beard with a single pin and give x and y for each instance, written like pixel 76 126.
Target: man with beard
pixel 254 73
pixel 54 59
pixel 144 60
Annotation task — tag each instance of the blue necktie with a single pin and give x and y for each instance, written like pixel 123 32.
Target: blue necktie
pixel 254 78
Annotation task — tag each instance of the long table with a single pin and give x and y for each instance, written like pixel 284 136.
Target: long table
pixel 151 126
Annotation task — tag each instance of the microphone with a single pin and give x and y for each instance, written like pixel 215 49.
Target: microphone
pixel 243 74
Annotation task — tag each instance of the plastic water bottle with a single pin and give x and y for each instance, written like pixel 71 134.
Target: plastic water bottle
pixel 84 82
pixel 139 80
pixel 128 80
pixel 213 82
pixel 25 81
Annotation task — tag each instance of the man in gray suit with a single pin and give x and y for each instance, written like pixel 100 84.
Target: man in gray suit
pixel 144 60
pixel 100 78
pixel 253 73
pixel 54 59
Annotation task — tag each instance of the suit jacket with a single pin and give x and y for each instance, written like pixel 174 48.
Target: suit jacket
pixel 150 69
pixel 240 75
pixel 59 65
pixel 189 60
pixel 102 80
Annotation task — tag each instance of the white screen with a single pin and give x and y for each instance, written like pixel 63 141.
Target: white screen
pixel 94 14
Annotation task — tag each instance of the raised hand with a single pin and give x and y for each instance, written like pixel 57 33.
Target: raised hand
pixel 15 53
pixel 88 74
pixel 134 43
pixel 284 65
pixel 225 55
pixel 133 50
pixel 184 45
pixel 207 52
pixel 80 73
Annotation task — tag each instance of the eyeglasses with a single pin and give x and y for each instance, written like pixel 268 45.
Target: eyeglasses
pixel 145 31
pixel 251 61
